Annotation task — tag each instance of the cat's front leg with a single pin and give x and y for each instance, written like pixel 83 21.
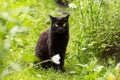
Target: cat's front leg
pixel 61 65
pixel 58 67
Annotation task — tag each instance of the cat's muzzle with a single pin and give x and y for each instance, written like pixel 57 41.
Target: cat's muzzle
pixel 60 31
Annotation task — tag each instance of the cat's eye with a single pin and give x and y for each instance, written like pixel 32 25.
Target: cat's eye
pixel 56 25
pixel 64 25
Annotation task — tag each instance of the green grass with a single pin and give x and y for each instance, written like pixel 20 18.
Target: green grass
pixel 94 39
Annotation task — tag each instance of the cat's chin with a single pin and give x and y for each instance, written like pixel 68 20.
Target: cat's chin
pixel 60 32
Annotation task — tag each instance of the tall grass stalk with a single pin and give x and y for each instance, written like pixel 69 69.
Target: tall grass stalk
pixel 91 13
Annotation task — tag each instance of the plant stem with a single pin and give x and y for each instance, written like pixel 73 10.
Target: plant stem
pixel 37 64
pixel 91 12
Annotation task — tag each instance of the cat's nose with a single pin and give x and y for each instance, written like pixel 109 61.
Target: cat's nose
pixel 60 29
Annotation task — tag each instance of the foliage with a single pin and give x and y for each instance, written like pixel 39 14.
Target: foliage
pixel 93 48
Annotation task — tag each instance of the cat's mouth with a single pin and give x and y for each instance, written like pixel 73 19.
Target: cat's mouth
pixel 60 31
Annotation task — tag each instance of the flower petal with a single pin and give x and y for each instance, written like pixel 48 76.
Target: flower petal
pixel 56 59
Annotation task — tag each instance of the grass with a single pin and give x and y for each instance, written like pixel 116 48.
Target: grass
pixel 93 49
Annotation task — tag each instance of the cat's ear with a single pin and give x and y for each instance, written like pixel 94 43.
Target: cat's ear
pixel 53 19
pixel 67 17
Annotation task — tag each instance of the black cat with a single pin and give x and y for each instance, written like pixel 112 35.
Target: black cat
pixel 63 3
pixel 54 41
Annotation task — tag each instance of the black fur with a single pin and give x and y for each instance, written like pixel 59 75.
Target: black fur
pixel 54 41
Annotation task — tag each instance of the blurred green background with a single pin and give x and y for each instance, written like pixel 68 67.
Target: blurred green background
pixel 93 49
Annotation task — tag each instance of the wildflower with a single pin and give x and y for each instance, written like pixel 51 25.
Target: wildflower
pixel 98 68
pixel 72 5
pixel 91 44
pixel 31 64
pixel 117 68
pixel 81 5
pixel 56 59
pixel 83 49
pixel 110 76
pixel 14 30
pixel 38 75
pixel 73 72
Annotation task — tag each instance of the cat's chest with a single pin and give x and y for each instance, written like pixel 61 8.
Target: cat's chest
pixel 60 40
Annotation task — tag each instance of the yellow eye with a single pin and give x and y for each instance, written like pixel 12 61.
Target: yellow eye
pixel 56 25
pixel 64 25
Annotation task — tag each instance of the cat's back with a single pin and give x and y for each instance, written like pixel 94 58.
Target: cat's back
pixel 42 42
pixel 44 35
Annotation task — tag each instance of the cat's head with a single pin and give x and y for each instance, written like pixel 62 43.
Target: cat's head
pixel 59 24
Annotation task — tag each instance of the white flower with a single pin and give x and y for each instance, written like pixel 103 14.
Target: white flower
pixel 14 30
pixel 72 72
pixel 117 68
pixel 38 75
pixel 98 68
pixel 110 76
pixel 56 59
pixel 72 5
pixel 83 49
pixel 91 44
pixel 81 7
pixel 81 3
